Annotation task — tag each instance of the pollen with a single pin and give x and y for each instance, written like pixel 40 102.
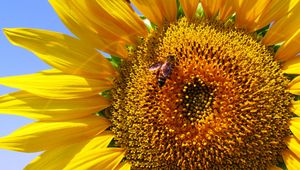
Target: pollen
pixel 223 105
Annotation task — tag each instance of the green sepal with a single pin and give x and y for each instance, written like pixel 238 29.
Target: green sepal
pixel 282 165
pixel 262 32
pixel 100 113
pixel 104 113
pixel 106 94
pixel 115 61
pixel 232 18
pixel 200 11
pixel 296 98
pixel 276 47
pixel 149 27
pixel 180 12
pixel 113 144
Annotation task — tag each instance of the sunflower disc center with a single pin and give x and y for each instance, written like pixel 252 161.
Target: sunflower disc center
pixel 195 99
pixel 223 105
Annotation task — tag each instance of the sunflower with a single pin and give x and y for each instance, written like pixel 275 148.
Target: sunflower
pixel 209 84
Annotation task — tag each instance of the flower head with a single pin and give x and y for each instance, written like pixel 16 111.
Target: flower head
pixel 205 85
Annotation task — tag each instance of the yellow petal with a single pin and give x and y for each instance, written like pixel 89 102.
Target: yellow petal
pixel 214 7
pixel 40 136
pixel 124 166
pixel 211 7
pixel 289 48
pixel 247 11
pixel 28 105
pixel 100 141
pixel 106 25
pixel 295 127
pixel 104 158
pixel 284 28
pixel 62 52
pixel 57 85
pixel 291 66
pixel 294 145
pixel 296 107
pixel 290 160
pixel 64 154
pixel 157 11
pixel 189 7
pixel 275 10
pixel 226 9
pixel 294 86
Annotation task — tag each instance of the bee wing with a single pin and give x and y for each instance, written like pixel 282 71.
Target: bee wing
pixel 166 69
pixel 155 66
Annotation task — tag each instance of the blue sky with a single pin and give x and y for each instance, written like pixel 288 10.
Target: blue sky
pixel 16 61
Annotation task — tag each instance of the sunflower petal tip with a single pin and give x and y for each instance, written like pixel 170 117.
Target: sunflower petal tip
pixel 11 33
pixel 8 31
pixel 5 29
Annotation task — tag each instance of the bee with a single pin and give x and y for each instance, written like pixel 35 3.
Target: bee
pixel 164 69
